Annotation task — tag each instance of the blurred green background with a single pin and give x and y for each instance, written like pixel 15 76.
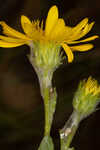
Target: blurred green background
pixel 21 105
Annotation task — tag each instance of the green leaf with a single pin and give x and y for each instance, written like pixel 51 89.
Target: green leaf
pixel 46 144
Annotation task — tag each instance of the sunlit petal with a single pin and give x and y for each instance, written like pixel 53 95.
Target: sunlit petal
pixel 74 33
pixel 81 25
pixel 58 29
pixel 10 45
pixel 87 28
pixel 68 52
pixel 84 47
pixel 26 25
pixel 51 19
pixel 11 39
pixel 11 32
pixel 84 31
pixel 85 40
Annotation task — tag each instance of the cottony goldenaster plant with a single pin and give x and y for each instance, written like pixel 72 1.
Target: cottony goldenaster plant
pixel 45 56
pixel 55 32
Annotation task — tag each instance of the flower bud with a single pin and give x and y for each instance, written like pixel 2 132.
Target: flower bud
pixel 86 97
pixel 47 56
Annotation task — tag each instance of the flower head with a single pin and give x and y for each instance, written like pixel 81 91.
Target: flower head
pixel 87 97
pixel 55 32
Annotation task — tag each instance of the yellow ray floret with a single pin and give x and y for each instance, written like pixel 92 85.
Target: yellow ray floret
pixel 92 87
pixel 26 25
pixel 55 32
pixel 51 20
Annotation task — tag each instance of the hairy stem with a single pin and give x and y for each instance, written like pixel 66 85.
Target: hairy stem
pixel 69 130
pixel 48 93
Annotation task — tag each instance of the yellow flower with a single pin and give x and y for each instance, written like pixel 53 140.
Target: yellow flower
pixel 91 87
pixel 55 32
pixel 87 97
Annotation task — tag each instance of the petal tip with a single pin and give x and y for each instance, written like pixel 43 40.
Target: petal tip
pixel 52 18
pixel 25 19
pixel 85 20
pixel 97 36
pixel 54 7
pixel 2 23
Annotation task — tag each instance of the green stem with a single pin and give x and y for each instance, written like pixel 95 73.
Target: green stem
pixel 69 130
pixel 46 106
pixel 49 96
pixel 48 93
